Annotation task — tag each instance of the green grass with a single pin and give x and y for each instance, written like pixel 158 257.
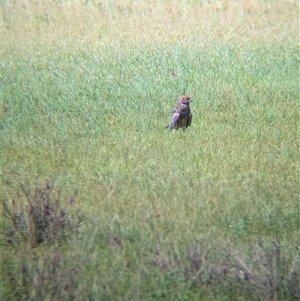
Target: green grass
pixel 93 120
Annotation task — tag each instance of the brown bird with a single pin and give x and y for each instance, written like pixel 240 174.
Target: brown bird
pixel 182 115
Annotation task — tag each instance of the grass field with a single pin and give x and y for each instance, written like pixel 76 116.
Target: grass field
pixel 209 214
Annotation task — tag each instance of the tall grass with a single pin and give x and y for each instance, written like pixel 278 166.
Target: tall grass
pixel 212 213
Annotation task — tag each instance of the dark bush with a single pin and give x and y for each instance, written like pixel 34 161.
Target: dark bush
pixel 42 277
pixel 40 216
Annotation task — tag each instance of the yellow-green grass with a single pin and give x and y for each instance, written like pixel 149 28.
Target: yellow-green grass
pixel 83 24
pixel 87 91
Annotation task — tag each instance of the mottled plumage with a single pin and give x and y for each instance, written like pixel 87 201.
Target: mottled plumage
pixel 181 116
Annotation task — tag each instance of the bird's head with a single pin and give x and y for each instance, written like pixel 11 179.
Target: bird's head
pixel 184 99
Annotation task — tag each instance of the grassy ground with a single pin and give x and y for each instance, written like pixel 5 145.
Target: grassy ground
pixel 87 90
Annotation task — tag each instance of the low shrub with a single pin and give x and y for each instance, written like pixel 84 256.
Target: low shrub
pixel 41 277
pixel 39 216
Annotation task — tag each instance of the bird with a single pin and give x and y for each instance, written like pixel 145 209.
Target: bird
pixel 182 115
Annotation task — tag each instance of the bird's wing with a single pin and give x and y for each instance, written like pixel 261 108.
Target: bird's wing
pixel 173 120
pixel 190 119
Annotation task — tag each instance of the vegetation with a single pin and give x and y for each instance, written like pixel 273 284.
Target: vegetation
pixel 209 214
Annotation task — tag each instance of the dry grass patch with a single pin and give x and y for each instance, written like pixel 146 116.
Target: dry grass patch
pixel 86 23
